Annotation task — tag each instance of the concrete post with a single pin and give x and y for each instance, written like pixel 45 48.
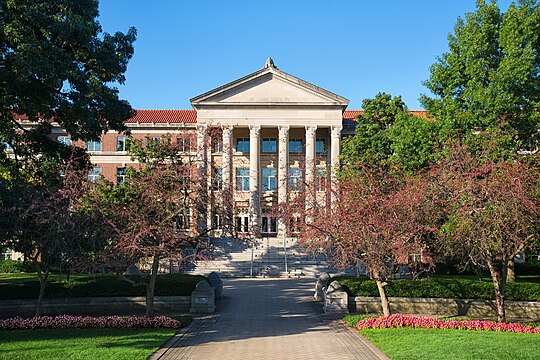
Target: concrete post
pixel 283 165
pixel 202 132
pixel 254 165
pixel 227 191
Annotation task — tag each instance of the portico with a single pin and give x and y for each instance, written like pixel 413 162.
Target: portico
pixel 275 130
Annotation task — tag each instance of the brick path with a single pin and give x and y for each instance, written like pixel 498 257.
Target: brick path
pixel 268 319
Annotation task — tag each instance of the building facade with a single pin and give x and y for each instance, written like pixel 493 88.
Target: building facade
pixel 253 139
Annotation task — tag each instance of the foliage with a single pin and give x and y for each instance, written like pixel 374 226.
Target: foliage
pixel 399 320
pixel 13 266
pixel 99 286
pixel 387 135
pixel 86 322
pixel 486 85
pixel 60 344
pixel 448 288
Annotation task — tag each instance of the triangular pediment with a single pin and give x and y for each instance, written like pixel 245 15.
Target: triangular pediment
pixel 269 86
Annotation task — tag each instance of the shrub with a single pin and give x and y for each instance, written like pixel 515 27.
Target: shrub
pixel 12 266
pixel 458 288
pixel 85 322
pixel 398 320
pixel 98 286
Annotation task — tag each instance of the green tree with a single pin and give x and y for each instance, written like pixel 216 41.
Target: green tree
pixel 57 64
pixel 388 135
pixel 488 83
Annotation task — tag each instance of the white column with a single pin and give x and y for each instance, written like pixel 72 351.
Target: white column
pixel 227 191
pixel 311 131
pixel 283 165
pixel 201 204
pixel 254 165
pixel 335 138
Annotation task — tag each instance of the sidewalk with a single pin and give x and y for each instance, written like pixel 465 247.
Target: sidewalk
pixel 268 319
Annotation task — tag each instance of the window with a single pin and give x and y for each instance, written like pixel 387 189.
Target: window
pixel 155 139
pixel 6 254
pixel 216 222
pixel 295 179
pixel 183 222
pixel 269 146
pixel 66 140
pixel 295 146
pixel 269 224
pixel 7 144
pixel 184 143
pixel 242 145
pixel 121 143
pixel 320 179
pixel 242 223
pixel 294 225
pixel 94 146
pixel 94 173
pixel 320 146
pixel 120 175
pixel 269 179
pixel 242 179
pixel 217 145
pixel 218 179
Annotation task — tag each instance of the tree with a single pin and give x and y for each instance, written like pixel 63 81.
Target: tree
pixel 376 218
pixel 487 84
pixel 495 212
pixel 387 135
pixel 151 212
pixel 57 65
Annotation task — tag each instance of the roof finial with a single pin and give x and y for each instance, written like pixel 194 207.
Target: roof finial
pixel 269 63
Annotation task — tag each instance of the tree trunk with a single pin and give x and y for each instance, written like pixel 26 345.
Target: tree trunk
pixel 498 284
pixel 384 300
pixel 151 287
pixel 511 274
pixel 43 281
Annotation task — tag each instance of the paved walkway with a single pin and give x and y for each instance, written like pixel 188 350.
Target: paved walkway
pixel 268 319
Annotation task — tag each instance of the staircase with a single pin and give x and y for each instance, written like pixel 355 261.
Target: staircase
pixel 263 257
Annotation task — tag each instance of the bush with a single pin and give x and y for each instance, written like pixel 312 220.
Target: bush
pixel 12 267
pixel 86 322
pixel 531 267
pixel 98 286
pixel 458 288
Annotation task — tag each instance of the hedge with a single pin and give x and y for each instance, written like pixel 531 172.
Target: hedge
pixel 13 267
pixel 458 288
pixel 98 286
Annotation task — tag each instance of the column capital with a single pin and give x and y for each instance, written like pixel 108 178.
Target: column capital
pixel 283 130
pixel 336 131
pixel 254 130
pixel 226 128
pixel 311 131
pixel 202 128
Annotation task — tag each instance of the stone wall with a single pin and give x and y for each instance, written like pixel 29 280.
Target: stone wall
pixel 481 309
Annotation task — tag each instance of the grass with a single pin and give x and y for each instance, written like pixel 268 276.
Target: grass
pixel 441 344
pixel 92 344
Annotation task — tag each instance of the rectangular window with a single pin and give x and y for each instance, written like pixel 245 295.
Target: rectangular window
pixel 183 222
pixel 295 146
pixel 66 140
pixel 320 146
pixel 320 179
pixel 120 175
pixel 268 224
pixel 295 179
pixel 184 143
pixel 121 143
pixel 7 144
pixel 218 179
pixel 242 179
pixel 242 145
pixel 269 146
pixel 217 145
pixel 242 224
pixel 94 146
pixel 94 173
pixel 154 139
pixel 269 179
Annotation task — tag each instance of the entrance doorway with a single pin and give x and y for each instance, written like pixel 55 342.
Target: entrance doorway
pixel 269 226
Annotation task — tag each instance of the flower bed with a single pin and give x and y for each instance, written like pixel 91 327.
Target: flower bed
pixel 398 321
pixel 80 322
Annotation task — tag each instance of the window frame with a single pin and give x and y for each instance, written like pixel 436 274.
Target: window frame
pixel 94 176
pixel 94 146
pixel 242 180
pixel 266 179
pixel 272 143
pixel 244 141
pixel 298 149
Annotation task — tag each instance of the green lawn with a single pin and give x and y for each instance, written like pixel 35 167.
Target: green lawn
pixel 438 344
pixel 92 344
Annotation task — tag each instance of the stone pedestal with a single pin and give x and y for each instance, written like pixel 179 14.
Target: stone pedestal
pixel 202 299
pixel 217 284
pixel 336 299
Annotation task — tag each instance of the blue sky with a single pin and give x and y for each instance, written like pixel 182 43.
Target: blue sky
pixel 352 48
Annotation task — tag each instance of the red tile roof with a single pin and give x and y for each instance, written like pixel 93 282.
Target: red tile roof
pixel 351 114
pixel 164 116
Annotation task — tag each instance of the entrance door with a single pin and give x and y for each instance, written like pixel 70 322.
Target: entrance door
pixel 269 225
